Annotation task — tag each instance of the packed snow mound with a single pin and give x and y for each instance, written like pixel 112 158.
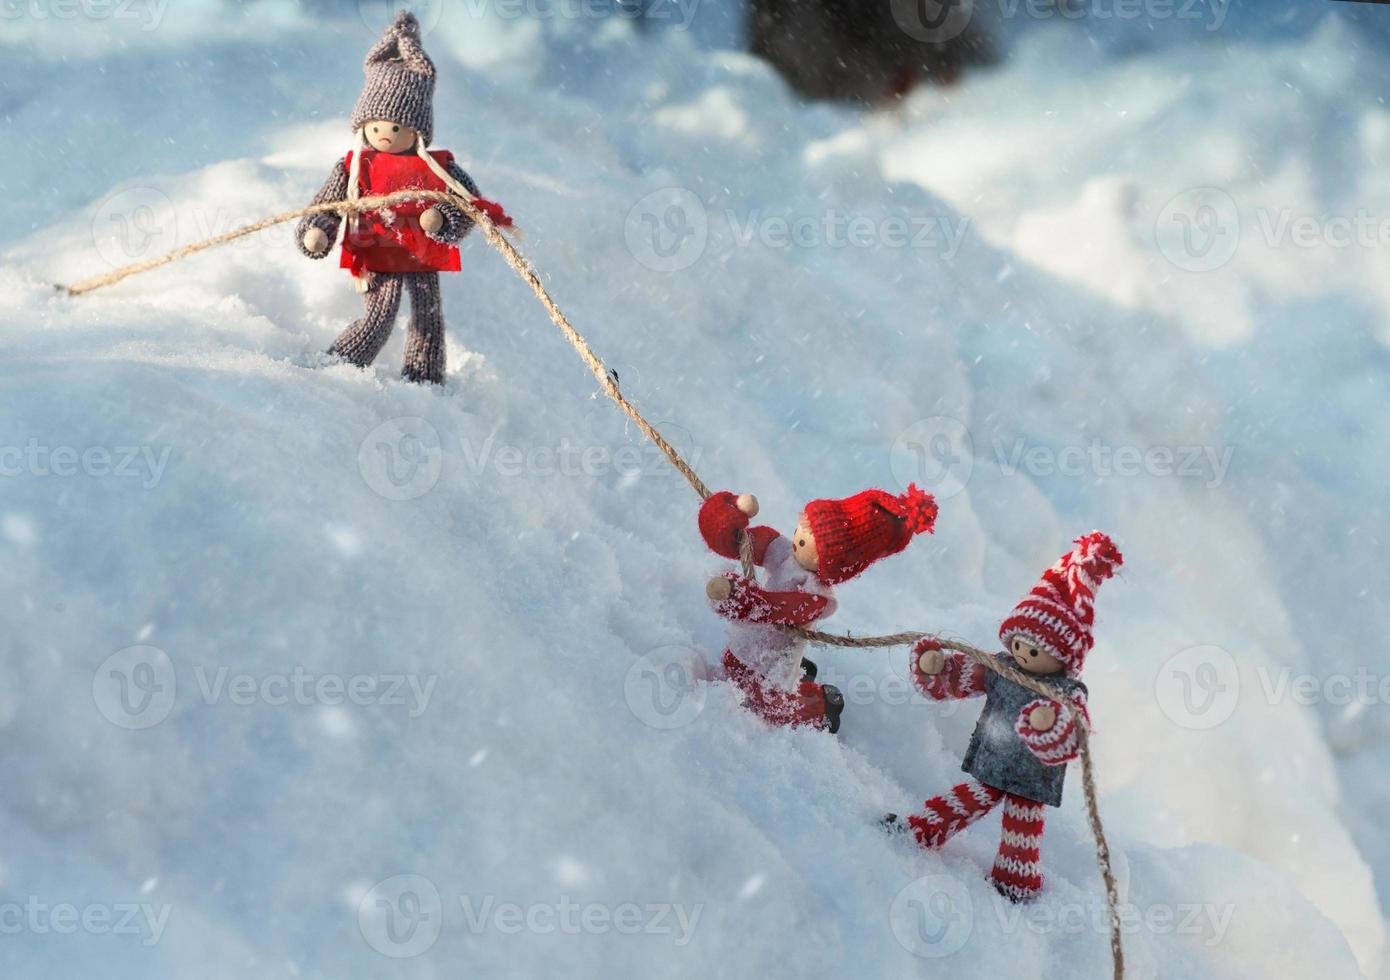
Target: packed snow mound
pixel 314 673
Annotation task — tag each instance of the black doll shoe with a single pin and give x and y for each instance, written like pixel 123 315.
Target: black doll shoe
pixel 834 707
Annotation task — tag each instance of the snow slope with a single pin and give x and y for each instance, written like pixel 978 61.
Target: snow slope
pixel 1290 327
pixel 513 554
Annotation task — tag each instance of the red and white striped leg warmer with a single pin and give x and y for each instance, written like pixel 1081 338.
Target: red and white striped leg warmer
pixel 1017 870
pixel 950 813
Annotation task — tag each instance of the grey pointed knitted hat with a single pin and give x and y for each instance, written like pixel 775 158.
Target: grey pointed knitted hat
pixel 400 80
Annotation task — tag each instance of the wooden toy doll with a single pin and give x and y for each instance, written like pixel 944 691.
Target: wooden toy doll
pixel 403 249
pixel 833 542
pixel 1019 752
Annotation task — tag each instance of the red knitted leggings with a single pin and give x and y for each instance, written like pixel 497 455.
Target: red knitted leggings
pixel 1017 869
pixel 804 706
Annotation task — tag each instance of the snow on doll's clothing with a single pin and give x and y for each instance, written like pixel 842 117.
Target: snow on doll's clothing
pixel 804 705
pixel 791 595
pixel 394 241
pixel 364 338
pixel 761 645
pixel 1007 754
pixel 1017 870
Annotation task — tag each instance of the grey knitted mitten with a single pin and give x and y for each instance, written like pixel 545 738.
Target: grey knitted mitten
pixel 334 189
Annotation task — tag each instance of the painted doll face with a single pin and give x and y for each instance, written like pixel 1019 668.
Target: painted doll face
pixel 389 137
pixel 1032 658
pixel 804 546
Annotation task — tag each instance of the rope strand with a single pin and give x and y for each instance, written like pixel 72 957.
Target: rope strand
pixel 359 205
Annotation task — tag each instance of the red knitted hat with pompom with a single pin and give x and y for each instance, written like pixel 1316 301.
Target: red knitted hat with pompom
pixel 1058 615
pixel 853 533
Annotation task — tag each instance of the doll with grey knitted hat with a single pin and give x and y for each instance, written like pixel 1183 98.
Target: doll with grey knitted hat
pixel 402 249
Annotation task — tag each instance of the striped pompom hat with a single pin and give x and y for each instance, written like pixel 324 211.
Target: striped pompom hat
pixel 1059 614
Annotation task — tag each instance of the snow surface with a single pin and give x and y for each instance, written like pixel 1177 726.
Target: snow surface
pixel 521 557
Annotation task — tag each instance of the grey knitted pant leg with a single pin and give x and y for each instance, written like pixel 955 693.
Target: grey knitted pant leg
pixel 424 343
pixel 361 342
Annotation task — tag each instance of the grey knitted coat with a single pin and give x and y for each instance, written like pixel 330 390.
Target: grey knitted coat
pixel 998 756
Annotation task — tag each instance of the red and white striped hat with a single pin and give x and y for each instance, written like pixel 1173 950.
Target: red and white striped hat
pixel 1059 613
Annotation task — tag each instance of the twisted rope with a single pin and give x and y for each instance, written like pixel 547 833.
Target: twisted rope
pixel 608 382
